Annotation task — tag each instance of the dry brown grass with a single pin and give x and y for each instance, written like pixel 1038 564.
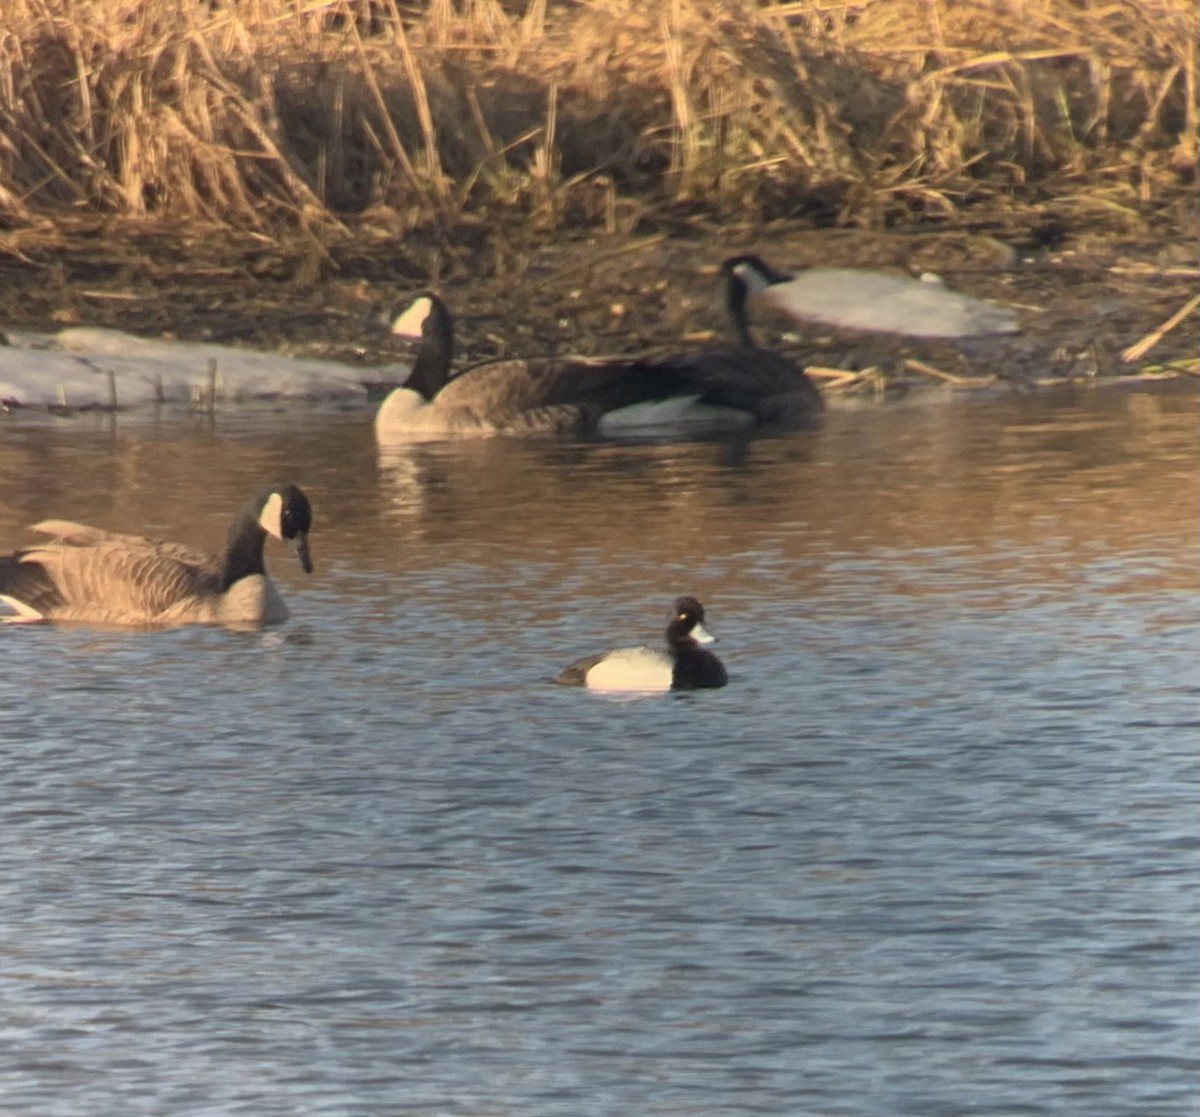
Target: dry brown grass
pixel 273 114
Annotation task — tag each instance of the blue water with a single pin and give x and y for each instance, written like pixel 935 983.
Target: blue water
pixel 932 851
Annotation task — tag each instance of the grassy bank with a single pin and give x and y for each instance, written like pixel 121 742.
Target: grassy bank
pixel 285 114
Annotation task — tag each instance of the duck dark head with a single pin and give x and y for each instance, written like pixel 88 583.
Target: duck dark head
pixel 685 629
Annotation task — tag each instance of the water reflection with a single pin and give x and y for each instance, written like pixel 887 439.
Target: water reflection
pixel 1035 476
pixel 936 840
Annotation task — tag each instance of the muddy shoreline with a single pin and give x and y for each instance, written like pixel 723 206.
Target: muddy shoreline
pixel 1084 291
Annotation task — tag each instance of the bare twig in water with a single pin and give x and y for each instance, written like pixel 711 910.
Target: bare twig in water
pixel 833 378
pixel 928 370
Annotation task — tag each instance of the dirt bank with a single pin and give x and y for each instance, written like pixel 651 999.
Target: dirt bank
pixel 1086 289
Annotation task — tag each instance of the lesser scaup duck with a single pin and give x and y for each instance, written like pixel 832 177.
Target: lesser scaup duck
pixel 683 665
pixel 88 574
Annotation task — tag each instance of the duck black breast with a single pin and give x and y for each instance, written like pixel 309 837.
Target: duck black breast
pixel 695 668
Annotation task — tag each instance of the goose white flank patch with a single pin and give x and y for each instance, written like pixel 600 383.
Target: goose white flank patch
pixel 739 386
pixel 82 366
pixel 88 574
pixel 875 301
pixel 683 665
pixel 676 411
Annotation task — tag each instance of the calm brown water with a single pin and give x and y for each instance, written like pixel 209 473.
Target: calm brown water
pixel 933 850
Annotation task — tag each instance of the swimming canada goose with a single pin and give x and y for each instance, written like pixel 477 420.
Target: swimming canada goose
pixel 88 574
pixel 769 387
pixel 684 665
pixel 499 396
pixel 862 299
pixel 740 386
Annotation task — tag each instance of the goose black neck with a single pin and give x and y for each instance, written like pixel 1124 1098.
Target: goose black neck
pixel 734 294
pixel 432 367
pixel 244 546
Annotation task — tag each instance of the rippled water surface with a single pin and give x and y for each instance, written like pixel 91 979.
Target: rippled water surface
pixel 932 851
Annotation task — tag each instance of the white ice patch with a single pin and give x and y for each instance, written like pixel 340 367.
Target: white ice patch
pixel 89 367
pixel 858 299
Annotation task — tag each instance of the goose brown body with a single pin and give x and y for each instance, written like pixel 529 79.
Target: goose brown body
pixel 84 573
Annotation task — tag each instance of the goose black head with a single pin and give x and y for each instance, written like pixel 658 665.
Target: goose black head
pixel 752 271
pixel 426 319
pixel 287 514
pixel 740 277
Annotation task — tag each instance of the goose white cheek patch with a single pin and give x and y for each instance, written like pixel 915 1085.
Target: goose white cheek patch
pixel 754 280
pixel 410 322
pixel 271 517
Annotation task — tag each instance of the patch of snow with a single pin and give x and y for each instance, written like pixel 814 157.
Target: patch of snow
pixel 860 299
pixel 84 367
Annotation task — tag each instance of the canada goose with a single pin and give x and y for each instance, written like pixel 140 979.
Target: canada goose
pixel 742 386
pixel 860 299
pixel 88 574
pixel 684 665
pixel 500 396
pixel 767 386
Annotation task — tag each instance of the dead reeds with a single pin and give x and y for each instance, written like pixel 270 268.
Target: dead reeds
pixel 267 114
